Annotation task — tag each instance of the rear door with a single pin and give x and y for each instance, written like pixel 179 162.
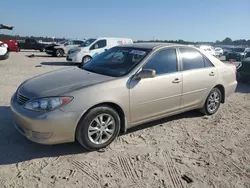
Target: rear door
pixel 199 77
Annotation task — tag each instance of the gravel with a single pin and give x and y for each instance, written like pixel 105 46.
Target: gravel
pixel 187 150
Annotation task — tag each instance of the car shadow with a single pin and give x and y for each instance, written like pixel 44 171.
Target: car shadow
pixel 190 114
pixel 243 88
pixel 16 148
pixel 58 63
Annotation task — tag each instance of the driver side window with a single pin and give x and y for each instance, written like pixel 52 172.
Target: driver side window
pixel 99 44
pixel 163 62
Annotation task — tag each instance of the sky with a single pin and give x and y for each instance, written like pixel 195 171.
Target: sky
pixel 191 20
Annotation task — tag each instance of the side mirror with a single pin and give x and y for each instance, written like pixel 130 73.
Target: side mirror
pixel 96 46
pixel 145 73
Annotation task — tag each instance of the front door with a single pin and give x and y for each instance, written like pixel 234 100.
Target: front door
pixel 152 97
pixel 98 47
pixel 199 77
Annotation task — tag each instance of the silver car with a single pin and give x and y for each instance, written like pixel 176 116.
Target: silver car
pixel 121 88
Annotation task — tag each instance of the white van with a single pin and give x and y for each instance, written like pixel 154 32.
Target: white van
pixel 93 47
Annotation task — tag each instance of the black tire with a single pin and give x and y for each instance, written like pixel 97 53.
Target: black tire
pixel 85 123
pixel 59 53
pixel 85 59
pixel 205 109
pixel 6 56
pixel 42 50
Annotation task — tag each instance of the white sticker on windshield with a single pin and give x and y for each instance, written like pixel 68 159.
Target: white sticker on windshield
pixel 137 52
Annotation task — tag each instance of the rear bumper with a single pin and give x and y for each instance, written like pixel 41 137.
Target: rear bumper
pixel 230 89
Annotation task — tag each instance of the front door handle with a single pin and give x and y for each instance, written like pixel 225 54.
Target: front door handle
pixel 176 80
pixel 211 74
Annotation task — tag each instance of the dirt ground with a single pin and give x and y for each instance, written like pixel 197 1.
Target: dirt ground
pixel 187 150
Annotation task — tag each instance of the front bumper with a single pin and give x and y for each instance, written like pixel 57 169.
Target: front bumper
pixel 74 57
pixel 52 127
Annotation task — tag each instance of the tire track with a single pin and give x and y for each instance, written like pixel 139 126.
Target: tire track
pixel 114 165
pixel 172 171
pixel 127 169
pixel 86 169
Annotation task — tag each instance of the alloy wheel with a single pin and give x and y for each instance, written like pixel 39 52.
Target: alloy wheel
pixel 213 102
pixel 101 129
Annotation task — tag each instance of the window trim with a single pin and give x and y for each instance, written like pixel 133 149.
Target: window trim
pixel 97 42
pixel 157 51
pixel 204 57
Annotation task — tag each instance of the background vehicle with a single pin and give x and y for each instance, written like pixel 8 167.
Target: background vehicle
pixel 208 49
pixel 31 44
pixel 110 93
pixel 226 50
pixel 93 47
pixel 218 52
pixel 238 53
pixel 12 45
pixel 4 53
pixel 58 50
pixel 243 70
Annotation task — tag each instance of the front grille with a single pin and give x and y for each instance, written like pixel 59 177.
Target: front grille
pixel 21 99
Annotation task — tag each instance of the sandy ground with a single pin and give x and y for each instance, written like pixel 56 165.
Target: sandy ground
pixel 211 151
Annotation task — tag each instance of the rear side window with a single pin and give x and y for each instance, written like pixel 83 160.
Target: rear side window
pixel 163 62
pixel 208 63
pixel 192 59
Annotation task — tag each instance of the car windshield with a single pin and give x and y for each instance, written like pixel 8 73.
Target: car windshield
pixel 116 62
pixel 217 49
pixel 239 49
pixel 87 43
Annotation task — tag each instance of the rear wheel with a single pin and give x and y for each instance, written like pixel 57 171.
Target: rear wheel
pixel 212 103
pixel 59 53
pixel 98 128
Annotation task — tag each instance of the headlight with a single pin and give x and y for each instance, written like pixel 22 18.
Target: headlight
pixel 47 104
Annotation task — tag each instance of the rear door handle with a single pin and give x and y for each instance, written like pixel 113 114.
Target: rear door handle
pixel 211 74
pixel 176 80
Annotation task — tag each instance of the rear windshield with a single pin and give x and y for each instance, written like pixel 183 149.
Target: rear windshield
pixel 239 49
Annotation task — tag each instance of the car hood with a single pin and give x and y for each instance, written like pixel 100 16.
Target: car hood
pixel 59 82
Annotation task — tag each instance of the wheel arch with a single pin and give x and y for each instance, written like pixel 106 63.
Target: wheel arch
pixel 113 105
pixel 222 90
pixel 87 56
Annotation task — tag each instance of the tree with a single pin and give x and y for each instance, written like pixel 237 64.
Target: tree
pixel 227 41
pixel 217 42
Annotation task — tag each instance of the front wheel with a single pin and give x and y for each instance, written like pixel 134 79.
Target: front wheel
pixel 212 103
pixel 42 50
pixel 59 53
pixel 86 59
pixel 98 128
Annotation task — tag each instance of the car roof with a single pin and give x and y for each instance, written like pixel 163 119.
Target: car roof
pixel 152 45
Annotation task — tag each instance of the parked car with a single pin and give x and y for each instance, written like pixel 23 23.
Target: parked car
pixel 12 45
pixel 226 50
pixel 243 70
pixel 62 48
pixel 4 53
pixel 208 49
pixel 218 52
pixel 93 47
pixel 119 89
pixel 238 53
pixel 31 44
